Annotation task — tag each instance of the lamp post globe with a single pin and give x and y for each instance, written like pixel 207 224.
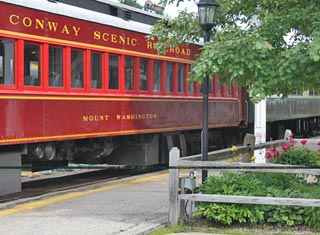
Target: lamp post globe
pixel 207 12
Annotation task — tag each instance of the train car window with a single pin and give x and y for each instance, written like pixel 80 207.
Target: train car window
pixel 191 87
pixel 219 88
pixel 229 89
pixel 113 72
pixel 157 76
pixel 143 74
pixel 200 87
pixel 181 77
pixel 77 58
pixel 96 70
pixel 129 75
pixel 31 65
pixel 210 89
pixel 6 62
pixel 55 67
pixel 169 77
pixel 190 84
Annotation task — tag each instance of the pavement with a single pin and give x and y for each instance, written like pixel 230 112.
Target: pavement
pixel 131 206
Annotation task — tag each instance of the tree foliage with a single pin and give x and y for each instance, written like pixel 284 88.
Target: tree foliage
pixel 270 46
pixel 132 3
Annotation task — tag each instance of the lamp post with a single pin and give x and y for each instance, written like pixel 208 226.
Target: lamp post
pixel 207 11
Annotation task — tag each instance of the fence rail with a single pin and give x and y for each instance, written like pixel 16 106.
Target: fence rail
pixel 177 198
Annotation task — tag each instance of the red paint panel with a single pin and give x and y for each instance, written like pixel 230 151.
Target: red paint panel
pixel 44 120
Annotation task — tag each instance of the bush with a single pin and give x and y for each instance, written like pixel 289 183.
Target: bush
pixel 260 184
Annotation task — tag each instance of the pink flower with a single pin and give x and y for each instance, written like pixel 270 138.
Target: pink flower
pixel 268 155
pixel 291 142
pixel 303 142
pixel 273 149
pixel 291 136
pixel 318 150
pixel 318 143
pixel 276 154
pixel 285 147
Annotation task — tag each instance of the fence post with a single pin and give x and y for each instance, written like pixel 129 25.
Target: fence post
pixel 174 207
pixel 249 140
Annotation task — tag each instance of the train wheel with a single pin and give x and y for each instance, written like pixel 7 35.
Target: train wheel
pixel 50 151
pixel 39 151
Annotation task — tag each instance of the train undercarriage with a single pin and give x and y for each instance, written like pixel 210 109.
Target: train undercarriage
pixel 133 150
pixel 301 128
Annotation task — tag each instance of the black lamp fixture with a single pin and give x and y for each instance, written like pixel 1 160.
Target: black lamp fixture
pixel 207 12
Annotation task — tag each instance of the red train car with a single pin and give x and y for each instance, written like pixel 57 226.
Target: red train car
pixel 78 84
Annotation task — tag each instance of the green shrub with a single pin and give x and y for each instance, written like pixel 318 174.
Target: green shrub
pixel 259 184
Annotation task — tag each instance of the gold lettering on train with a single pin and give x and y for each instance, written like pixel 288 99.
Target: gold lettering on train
pixel 175 50
pixel 41 24
pixel 95 118
pixel 143 116
pixel 53 26
pixel 27 22
pixel 14 19
pixel 114 38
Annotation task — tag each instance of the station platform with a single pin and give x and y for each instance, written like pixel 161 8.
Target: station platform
pixel 135 205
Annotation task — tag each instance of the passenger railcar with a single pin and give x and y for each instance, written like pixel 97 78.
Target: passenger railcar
pixel 86 85
pixel 299 112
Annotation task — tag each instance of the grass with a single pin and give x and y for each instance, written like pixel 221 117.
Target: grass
pixel 238 230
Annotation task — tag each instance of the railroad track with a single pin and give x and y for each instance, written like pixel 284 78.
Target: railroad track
pixel 36 187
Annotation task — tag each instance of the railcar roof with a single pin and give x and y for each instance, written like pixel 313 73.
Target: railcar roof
pixel 78 12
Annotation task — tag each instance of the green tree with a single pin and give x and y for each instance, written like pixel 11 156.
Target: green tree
pixel 132 3
pixel 277 55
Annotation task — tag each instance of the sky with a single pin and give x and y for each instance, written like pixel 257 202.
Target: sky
pixel 172 10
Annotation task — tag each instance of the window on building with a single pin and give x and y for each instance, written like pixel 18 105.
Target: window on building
pixel 55 66
pixel 6 62
pixel 157 76
pixel 169 77
pixel 77 58
pixel 181 77
pixel 143 74
pixel 129 73
pixel 113 72
pixel 31 65
pixel 96 70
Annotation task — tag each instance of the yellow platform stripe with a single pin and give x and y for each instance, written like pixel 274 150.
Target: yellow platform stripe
pixel 45 202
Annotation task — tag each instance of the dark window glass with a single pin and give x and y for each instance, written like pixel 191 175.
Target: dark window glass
pixel 229 89
pixel 210 91
pixel 6 62
pixel 55 67
pixel 169 77
pixel 181 78
pixel 157 75
pixel 129 75
pixel 31 65
pixel 77 69
pixel 143 74
pixel 96 70
pixel 113 72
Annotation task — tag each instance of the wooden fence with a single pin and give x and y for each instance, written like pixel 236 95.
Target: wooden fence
pixel 177 198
